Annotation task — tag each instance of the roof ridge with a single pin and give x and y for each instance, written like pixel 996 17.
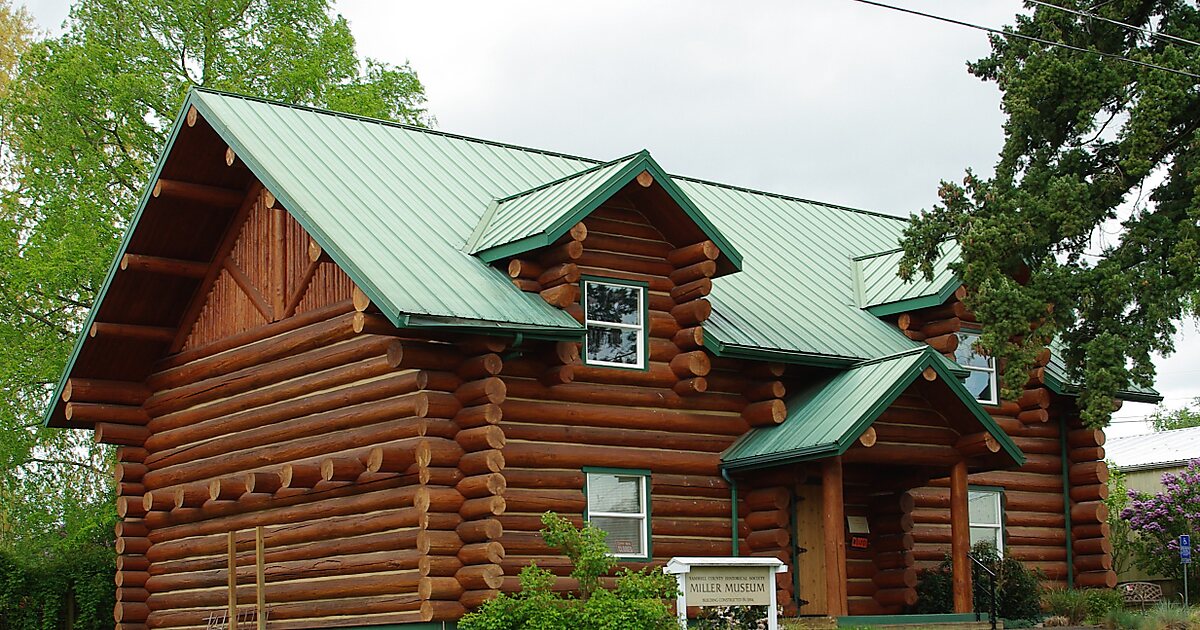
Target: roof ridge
pixel 392 123
pixel 921 349
pixel 565 178
pixel 506 145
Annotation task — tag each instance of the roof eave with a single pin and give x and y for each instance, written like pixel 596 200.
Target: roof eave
pixel 1055 385
pixel 53 405
pixel 755 353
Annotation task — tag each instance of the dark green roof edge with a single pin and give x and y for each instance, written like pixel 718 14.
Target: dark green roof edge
pixel 899 384
pixel 912 304
pixel 1067 389
pixel 641 162
pixel 722 349
pixel 112 269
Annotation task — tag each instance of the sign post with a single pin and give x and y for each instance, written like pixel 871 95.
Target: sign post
pixel 726 582
pixel 1185 558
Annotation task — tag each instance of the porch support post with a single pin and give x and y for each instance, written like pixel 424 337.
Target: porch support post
pixel 960 538
pixel 835 537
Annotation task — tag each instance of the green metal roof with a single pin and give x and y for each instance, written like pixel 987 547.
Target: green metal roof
pixel 1059 381
pixel 396 205
pixel 538 217
pixel 881 292
pixel 825 419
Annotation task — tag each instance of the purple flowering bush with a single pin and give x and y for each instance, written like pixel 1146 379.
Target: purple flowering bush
pixel 1159 519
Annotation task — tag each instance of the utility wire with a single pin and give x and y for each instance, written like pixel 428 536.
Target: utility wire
pixel 1131 27
pixel 1031 38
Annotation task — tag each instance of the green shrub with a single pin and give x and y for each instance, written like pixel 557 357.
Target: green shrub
pixel 1068 603
pixel 1170 616
pixel 638 599
pixel 1100 602
pixel 1121 619
pixel 1018 590
pixel 41 593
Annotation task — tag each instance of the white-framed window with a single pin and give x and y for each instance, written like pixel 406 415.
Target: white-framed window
pixel 987 517
pixel 615 317
pixel 981 378
pixel 618 502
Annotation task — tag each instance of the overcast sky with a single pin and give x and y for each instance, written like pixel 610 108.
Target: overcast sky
pixel 829 100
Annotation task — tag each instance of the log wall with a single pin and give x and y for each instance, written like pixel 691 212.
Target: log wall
pixel 1034 521
pixel 673 418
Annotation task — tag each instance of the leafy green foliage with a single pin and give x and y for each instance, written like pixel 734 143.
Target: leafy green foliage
pixel 80 129
pixel 1185 417
pixel 1101 602
pixel 636 601
pixel 1069 603
pixel 1018 590
pixel 1120 536
pixel 40 594
pixel 1092 146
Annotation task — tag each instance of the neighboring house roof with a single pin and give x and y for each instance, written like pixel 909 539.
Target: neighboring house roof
pixel 1163 449
pixel 826 418
pixel 881 292
pixel 538 217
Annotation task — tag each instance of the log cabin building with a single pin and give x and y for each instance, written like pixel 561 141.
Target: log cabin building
pixel 393 348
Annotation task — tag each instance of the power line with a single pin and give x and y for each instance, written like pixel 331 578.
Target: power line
pixel 995 31
pixel 1131 27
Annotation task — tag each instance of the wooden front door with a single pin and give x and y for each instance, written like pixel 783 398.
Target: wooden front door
pixel 810 547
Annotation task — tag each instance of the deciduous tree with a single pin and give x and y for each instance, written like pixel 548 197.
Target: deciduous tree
pixel 82 125
pixel 1089 229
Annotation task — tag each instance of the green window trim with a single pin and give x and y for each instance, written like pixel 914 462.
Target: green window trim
pixel 645 514
pixel 643 339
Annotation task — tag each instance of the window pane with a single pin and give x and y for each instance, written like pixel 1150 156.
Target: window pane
pixel 611 303
pixel 624 534
pixel 985 509
pixel 965 354
pixel 990 534
pixel 979 385
pixel 613 493
pixel 612 345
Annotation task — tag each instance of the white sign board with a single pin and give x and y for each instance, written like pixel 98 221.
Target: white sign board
pixel 726 582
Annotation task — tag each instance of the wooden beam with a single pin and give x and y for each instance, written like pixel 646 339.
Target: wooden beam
pixel 644 179
pixel 256 298
pixel 102 391
pixel 159 334
pixel 277 251
pixel 260 578
pixel 231 542
pixel 868 437
pixel 835 537
pixel 960 538
pixel 224 197
pixel 165 266
pixel 98 412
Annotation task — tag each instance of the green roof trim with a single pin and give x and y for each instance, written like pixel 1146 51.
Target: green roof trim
pixel 826 418
pixel 1058 380
pixel 539 216
pixel 881 292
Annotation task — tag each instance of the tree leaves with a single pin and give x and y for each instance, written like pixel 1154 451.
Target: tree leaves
pixel 1088 230
pixel 80 129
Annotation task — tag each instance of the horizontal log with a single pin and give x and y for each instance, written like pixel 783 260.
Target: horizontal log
pixel 156 334
pixel 1080 438
pixel 200 193
pixel 518 268
pixel 690 314
pixel 692 254
pixel 1089 512
pixel 619 417
pixel 105 391
pixel 603 436
pixel 1098 562
pixel 765 413
pixel 124 434
pixel 1036 398
pixel 1086 454
pixel 547 455
pixel 1092 546
pixel 1095 472
pixel 1091 530
pixel 1096 579
pixel 164 266
pixel 1092 492
pixel 102 412
pixel 620 397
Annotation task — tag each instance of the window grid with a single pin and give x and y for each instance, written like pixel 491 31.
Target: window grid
pixel 640 516
pixel 588 322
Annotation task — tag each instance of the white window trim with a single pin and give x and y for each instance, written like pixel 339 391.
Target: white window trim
pixel 640 327
pixel 999 524
pixel 990 370
pixel 642 516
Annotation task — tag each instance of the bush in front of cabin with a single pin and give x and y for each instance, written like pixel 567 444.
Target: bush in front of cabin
pixel 636 600
pixel 1018 590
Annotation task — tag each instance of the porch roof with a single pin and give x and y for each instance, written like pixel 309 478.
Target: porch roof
pixel 825 419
